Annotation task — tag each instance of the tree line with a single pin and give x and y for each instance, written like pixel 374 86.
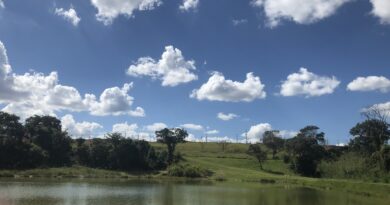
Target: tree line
pixel 308 155
pixel 41 142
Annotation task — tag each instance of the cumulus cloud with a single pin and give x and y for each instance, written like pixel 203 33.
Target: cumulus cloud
pixel 108 10
pixel 226 117
pixel 383 108
pixel 69 15
pixel 189 5
pixel 172 69
pixel 308 84
pixel 218 88
pixel 155 127
pixel 39 94
pixel 255 133
pixel 299 11
pixel 79 129
pixel 381 10
pixel 191 126
pixel 370 83
pixel 125 129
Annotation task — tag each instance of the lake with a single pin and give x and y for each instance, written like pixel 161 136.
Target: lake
pixel 83 192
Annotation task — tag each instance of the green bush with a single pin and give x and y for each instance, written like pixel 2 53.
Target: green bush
pixel 186 170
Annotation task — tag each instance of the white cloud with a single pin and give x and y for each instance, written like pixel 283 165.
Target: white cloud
pixel 212 132
pixel 308 84
pixel 370 83
pixel 114 101
pixel 191 126
pixel 189 5
pixel 108 10
pixel 226 117
pixel 381 9
pixel 69 15
pixel 299 11
pixel 219 89
pixel 132 131
pixel 79 129
pixel 256 132
pixel 2 4
pixel 237 22
pixel 172 69
pixel 155 127
pixel 287 133
pixel 36 93
pixel 383 108
pixel 127 130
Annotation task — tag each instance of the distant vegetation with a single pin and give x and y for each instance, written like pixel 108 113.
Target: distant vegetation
pixel 41 143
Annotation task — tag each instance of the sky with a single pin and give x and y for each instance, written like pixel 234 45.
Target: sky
pixel 220 68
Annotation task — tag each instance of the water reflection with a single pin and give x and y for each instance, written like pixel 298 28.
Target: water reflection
pixel 146 193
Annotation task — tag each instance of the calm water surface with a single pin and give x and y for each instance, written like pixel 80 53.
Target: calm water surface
pixel 168 193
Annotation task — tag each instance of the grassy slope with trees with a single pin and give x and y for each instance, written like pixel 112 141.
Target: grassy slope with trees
pixel 39 148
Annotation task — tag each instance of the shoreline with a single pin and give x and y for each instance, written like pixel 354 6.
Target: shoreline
pixel 78 173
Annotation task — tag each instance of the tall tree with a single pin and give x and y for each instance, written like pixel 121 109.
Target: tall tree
pixel 171 137
pixel 256 151
pixel 306 150
pixel 273 141
pixel 45 131
pixel 369 136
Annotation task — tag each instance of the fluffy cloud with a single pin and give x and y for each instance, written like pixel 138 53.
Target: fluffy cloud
pixel 226 117
pixel 219 89
pixel 108 10
pixel 69 15
pixel 127 130
pixel 114 101
pixel 255 133
pixel 192 126
pixel 1 4
pixel 172 69
pixel 39 94
pixel 299 11
pixel 383 108
pixel 155 127
pixel 370 83
pixel 79 129
pixel 381 10
pixel 308 84
pixel 189 5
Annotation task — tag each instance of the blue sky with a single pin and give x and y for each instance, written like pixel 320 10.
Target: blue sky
pixel 123 53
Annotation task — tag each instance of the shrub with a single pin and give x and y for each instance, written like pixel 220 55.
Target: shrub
pixel 186 170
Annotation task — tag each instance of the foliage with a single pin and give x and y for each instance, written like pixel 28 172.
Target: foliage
pixel 273 141
pixel 171 137
pixel 46 132
pixel 15 150
pixel 306 151
pixel 369 136
pixel 187 170
pixel 256 151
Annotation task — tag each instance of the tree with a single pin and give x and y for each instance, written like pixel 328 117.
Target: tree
pixel 273 141
pixel 16 151
pixel 306 150
pixel 369 136
pixel 171 137
pixel 256 151
pixel 45 131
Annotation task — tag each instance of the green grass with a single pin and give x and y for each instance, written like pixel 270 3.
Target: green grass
pixel 234 165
